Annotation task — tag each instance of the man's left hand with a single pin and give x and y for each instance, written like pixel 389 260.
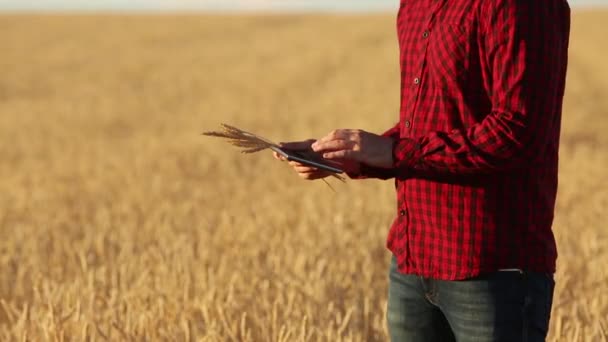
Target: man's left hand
pixel 358 145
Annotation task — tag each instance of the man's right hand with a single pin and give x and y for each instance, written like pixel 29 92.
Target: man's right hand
pixel 304 171
pixel 311 172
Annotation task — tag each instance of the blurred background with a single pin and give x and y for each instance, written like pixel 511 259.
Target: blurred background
pixel 118 221
pixel 225 5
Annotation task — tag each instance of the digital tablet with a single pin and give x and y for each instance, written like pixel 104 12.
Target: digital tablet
pixel 309 159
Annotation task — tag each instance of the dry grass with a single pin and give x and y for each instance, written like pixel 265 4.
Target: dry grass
pixel 120 222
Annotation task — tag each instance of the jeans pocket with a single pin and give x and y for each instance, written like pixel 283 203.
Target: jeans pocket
pixel 538 304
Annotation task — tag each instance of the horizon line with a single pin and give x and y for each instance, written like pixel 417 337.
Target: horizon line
pixel 215 7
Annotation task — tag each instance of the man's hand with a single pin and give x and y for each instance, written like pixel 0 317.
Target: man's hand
pixel 356 145
pixel 304 171
pixel 310 172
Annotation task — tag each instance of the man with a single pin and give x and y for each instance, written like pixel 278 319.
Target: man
pixel 474 157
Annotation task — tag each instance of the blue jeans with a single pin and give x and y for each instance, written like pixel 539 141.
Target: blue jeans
pixel 501 306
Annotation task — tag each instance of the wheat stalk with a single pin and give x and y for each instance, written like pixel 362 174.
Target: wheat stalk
pixel 251 143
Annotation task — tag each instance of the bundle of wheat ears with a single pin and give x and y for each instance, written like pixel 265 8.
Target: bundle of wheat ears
pixel 251 143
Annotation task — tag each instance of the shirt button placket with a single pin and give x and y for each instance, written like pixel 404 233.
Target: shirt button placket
pixel 406 229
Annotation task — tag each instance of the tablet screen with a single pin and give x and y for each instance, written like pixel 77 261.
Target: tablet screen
pixel 310 159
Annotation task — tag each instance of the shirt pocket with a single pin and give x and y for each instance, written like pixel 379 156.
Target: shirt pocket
pixel 449 53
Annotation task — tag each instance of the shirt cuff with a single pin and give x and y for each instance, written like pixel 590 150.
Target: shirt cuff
pixel 366 171
pixel 406 153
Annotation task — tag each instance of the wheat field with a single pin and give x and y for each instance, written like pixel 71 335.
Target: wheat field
pixel 120 222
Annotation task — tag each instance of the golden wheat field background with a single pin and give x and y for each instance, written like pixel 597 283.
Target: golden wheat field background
pixel 119 222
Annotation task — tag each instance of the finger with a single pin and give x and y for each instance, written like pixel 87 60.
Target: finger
pixel 314 175
pixel 333 145
pixel 305 169
pixel 278 156
pixel 297 145
pixel 307 176
pixel 338 134
pixel 342 155
pixel 295 164
pixel 302 168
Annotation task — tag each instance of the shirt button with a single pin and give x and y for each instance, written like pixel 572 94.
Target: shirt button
pixel 402 212
pixel 416 80
pixel 425 34
pixel 408 123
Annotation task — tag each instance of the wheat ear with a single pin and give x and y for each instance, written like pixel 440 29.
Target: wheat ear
pixel 251 143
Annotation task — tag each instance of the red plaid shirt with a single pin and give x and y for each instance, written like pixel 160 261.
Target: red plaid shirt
pixel 476 147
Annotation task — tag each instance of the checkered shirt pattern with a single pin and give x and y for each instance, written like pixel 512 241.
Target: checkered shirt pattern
pixel 476 146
